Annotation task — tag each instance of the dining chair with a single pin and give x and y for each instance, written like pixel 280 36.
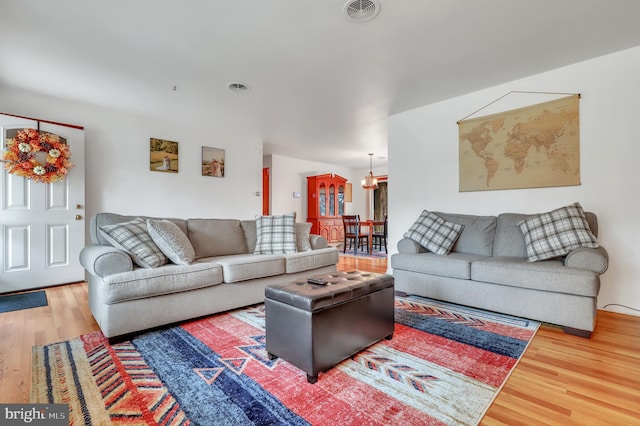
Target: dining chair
pixel 352 235
pixel 380 232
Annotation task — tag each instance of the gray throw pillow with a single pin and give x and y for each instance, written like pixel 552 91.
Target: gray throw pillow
pixel 276 234
pixel 303 230
pixel 556 233
pixel 434 233
pixel 133 237
pixel 172 241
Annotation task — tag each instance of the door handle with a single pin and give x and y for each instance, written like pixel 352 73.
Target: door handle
pixel 78 217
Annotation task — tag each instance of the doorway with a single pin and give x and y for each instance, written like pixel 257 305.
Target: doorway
pixel 42 225
pixel 380 200
pixel 266 196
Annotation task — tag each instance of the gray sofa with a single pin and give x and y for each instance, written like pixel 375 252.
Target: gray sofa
pixel 488 268
pixel 125 298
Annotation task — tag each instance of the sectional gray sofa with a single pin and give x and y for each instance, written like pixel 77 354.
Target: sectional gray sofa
pixel 488 267
pixel 216 270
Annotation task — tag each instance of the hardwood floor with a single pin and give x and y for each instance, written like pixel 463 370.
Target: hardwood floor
pixel 67 315
pixel 561 379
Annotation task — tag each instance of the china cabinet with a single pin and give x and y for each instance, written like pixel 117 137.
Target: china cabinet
pixel 326 205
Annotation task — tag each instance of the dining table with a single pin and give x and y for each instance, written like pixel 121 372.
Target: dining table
pixel 370 224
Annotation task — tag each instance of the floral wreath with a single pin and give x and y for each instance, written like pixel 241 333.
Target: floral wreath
pixel 20 156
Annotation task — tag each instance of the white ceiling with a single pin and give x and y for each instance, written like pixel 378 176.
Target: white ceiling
pixel 321 85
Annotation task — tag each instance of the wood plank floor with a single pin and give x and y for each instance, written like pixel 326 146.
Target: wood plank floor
pixel 561 379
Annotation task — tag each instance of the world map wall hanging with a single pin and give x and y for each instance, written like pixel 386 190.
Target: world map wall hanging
pixel 532 147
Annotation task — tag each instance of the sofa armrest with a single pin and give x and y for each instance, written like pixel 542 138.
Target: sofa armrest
pixel 593 259
pixel 318 242
pixel 105 260
pixel 408 246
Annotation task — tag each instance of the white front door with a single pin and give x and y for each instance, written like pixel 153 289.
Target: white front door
pixel 42 225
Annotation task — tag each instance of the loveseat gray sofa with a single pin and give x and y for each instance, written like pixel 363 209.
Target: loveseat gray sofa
pixel 224 273
pixel 489 268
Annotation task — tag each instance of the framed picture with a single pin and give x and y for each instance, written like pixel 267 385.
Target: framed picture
pixel 212 162
pixel 163 156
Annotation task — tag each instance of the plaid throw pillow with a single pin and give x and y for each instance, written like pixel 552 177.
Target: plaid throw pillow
pixel 133 238
pixel 434 233
pixel 276 234
pixel 556 233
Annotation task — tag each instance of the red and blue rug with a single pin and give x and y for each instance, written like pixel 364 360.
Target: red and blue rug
pixel 444 365
pixel 364 253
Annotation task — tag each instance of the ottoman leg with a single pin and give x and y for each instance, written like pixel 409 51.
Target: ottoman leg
pixel 312 379
pixel 389 337
pixel 271 356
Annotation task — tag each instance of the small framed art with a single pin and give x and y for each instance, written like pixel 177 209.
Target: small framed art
pixel 163 156
pixel 212 162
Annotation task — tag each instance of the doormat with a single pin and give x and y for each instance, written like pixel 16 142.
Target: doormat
pixel 17 302
pixel 444 365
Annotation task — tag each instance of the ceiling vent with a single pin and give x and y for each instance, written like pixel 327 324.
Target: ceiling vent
pixel 238 87
pixel 361 10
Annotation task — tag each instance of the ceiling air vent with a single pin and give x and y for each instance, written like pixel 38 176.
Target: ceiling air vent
pixel 238 87
pixel 361 10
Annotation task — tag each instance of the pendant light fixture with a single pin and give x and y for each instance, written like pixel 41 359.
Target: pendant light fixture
pixel 369 182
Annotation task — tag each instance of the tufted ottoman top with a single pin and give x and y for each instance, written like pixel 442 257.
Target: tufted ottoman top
pixel 342 287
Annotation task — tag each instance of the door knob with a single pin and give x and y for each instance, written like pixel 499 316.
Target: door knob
pixel 78 217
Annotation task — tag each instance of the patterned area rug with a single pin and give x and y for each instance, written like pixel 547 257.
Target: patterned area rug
pixel 364 253
pixel 444 365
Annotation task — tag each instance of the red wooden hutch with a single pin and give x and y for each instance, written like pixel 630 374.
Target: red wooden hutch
pixel 326 205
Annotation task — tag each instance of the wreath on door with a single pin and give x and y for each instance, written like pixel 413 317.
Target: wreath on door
pixel 38 156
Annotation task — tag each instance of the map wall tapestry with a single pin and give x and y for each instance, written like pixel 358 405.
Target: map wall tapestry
pixel 531 147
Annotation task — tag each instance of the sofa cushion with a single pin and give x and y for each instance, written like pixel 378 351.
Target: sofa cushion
pixel 509 240
pixel 216 237
pixel 276 234
pixel 556 233
pixel 133 237
pixel 307 260
pixel 249 229
pixel 454 265
pixel 145 283
pixel 237 268
pixel 434 233
pixel 172 241
pixel 476 236
pixel 547 275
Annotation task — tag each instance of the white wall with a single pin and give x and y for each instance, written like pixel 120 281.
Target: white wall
pixel 423 163
pixel 289 175
pixel 118 178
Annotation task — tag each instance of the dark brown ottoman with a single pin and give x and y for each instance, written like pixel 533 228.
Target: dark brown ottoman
pixel 314 327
